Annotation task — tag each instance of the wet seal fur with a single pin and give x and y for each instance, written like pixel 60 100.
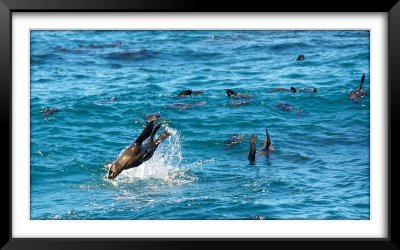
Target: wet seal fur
pixel 253 146
pixel 300 58
pixel 360 93
pixel 188 92
pixel 138 152
pixel 233 94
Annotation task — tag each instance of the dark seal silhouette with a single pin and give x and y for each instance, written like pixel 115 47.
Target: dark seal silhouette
pixel 138 152
pixel 292 89
pixel 360 93
pixel 49 111
pixel 253 146
pixel 296 90
pixel 233 94
pixel 300 58
pixel 188 92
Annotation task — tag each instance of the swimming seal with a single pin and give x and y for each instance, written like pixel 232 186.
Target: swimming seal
pixel 300 58
pixel 295 90
pixel 357 94
pixel 49 111
pixel 292 89
pixel 253 146
pixel 304 90
pixel 138 152
pixel 285 107
pixel 233 94
pixel 184 106
pixel 233 140
pixel 189 92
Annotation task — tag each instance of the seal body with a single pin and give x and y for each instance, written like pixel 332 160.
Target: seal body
pixel 139 151
pixel 253 147
pixel 49 111
pixel 357 94
pixel 300 58
pixel 233 94
pixel 284 107
pixel 360 93
pixel 188 92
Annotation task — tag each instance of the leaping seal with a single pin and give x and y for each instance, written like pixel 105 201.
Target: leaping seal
pixel 138 152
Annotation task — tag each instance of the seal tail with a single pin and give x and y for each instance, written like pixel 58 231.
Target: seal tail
pixel 362 81
pixel 162 137
pixel 252 153
pixel 145 133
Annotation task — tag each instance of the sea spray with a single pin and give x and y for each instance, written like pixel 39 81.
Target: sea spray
pixel 165 164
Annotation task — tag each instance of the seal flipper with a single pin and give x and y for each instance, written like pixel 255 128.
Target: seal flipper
pixel 362 81
pixel 162 137
pixel 153 133
pixel 252 153
pixel 268 140
pixel 145 133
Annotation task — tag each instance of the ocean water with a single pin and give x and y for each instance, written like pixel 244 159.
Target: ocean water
pixel 319 165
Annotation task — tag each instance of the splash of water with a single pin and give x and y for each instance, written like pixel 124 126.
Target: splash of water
pixel 164 165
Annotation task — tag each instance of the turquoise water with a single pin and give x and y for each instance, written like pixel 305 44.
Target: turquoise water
pixel 319 168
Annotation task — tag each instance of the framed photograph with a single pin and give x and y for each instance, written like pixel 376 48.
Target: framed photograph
pixel 145 129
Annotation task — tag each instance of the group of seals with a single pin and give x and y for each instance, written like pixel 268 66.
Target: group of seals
pixel 140 152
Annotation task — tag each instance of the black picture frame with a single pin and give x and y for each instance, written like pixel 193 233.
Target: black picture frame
pixel 8 7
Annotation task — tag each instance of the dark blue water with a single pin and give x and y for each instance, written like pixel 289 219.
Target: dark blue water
pixel 319 168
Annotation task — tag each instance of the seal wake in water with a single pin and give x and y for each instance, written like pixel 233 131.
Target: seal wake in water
pixel 138 152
